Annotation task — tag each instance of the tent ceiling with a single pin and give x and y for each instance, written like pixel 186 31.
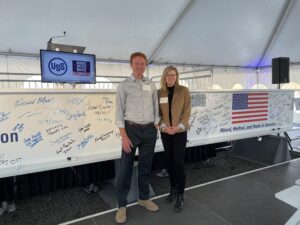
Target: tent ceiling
pixel 288 41
pixel 233 32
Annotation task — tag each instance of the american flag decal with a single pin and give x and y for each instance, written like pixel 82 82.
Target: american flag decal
pixel 249 107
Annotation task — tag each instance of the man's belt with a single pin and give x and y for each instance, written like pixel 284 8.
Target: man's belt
pixel 139 125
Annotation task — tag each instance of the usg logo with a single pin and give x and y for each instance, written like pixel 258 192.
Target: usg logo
pixel 57 66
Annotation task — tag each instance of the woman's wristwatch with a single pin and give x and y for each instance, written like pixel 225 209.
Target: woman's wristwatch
pixel 162 129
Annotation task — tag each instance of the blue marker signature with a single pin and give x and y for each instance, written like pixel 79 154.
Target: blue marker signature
pixel 33 140
pixel 84 142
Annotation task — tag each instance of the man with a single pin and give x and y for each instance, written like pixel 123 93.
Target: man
pixel 137 117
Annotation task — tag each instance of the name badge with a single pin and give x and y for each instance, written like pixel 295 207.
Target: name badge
pixel 146 88
pixel 163 100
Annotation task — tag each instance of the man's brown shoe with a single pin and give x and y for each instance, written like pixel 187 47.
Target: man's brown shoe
pixel 149 205
pixel 121 215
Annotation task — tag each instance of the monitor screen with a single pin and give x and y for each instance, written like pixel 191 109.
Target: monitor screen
pixel 66 67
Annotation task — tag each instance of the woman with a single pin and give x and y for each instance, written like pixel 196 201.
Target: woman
pixel 175 110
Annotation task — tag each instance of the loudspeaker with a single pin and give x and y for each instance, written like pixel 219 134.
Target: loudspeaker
pixel 280 70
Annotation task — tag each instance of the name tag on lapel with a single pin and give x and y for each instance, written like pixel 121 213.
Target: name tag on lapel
pixel 146 87
pixel 163 100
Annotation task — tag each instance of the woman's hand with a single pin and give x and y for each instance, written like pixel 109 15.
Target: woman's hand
pixel 176 129
pixel 170 130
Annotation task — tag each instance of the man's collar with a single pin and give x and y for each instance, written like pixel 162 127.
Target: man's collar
pixel 133 78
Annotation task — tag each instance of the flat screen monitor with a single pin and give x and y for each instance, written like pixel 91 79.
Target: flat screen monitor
pixel 66 67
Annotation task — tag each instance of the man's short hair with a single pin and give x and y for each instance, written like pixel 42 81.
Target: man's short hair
pixel 138 54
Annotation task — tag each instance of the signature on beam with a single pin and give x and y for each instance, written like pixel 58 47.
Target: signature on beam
pixel 84 142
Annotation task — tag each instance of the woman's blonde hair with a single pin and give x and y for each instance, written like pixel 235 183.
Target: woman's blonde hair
pixel 163 83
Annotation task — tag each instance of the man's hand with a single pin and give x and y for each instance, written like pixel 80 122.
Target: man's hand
pixel 126 144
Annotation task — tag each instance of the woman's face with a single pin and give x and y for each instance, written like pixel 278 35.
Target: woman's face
pixel 171 78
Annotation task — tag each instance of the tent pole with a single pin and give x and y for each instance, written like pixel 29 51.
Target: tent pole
pixel 171 30
pixel 282 18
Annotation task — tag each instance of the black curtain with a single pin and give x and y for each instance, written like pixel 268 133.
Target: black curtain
pixel 200 153
pixel 25 186
pixel 7 189
pixel 192 155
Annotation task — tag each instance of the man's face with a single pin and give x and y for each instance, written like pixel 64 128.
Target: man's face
pixel 138 66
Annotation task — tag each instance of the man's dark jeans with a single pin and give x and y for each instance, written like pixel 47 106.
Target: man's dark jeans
pixel 143 138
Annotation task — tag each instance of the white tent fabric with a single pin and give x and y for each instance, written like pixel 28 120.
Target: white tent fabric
pixel 234 32
pixel 233 37
pixel 259 86
pixel 226 78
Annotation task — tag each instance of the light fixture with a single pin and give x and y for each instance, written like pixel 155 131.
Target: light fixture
pixel 62 47
pixel 65 48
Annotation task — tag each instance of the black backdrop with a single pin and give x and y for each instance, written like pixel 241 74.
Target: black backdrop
pixel 25 186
